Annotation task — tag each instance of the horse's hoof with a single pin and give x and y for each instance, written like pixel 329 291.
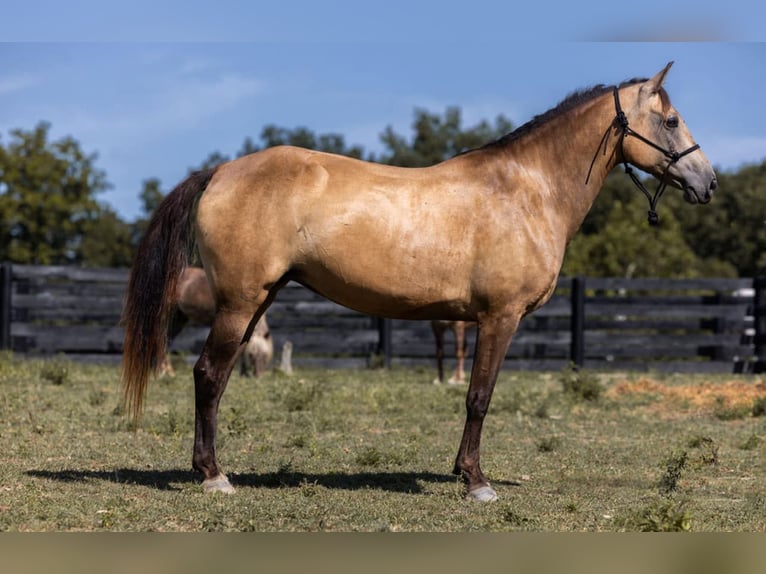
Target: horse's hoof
pixel 454 381
pixel 437 381
pixel 482 494
pixel 218 484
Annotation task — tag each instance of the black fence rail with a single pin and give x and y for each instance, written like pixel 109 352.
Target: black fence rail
pixel 627 324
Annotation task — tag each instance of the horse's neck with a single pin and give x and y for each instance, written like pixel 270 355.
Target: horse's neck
pixel 572 156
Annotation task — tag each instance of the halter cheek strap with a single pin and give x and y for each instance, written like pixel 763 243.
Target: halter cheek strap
pixel 673 157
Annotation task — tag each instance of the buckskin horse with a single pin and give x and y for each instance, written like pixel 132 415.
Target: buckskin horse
pixel 479 237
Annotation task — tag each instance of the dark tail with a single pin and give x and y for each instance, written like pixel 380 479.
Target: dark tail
pixel 162 256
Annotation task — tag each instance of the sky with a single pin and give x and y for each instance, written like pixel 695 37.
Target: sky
pixel 153 89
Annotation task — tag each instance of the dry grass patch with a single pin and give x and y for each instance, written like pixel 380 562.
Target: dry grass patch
pixel 735 396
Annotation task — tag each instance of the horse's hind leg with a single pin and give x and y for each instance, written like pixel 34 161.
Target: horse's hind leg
pixel 211 373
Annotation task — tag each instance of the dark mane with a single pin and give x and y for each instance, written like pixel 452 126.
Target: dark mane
pixel 572 101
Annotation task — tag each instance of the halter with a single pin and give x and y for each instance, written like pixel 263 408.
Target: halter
pixel 673 156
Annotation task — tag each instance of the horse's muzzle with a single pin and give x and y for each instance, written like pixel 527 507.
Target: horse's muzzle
pixel 702 196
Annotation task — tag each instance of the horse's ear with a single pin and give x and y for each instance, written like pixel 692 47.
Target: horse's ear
pixel 655 83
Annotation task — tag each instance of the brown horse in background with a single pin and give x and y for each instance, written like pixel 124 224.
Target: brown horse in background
pixel 480 237
pixel 458 328
pixel 195 306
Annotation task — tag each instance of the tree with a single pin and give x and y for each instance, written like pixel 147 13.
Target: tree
pixel 47 197
pixel 436 139
pixel 733 226
pixel 616 239
pixel 108 242
pixel 272 135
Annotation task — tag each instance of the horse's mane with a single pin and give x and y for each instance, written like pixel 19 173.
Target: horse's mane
pixel 572 101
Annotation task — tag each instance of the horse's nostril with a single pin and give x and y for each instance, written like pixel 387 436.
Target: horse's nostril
pixel 713 185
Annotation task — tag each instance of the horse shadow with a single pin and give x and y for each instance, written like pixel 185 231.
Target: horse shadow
pixel 177 480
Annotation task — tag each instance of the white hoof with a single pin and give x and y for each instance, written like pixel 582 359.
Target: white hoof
pixel 454 381
pixel 437 381
pixel 482 494
pixel 218 484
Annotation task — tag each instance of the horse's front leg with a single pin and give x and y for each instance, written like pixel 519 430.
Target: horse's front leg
pixel 492 341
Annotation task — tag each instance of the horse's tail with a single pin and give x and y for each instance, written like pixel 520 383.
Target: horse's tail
pixel 162 256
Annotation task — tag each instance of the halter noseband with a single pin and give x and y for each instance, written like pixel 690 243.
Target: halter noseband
pixel 673 156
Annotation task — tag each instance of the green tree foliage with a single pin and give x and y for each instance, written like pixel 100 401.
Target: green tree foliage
pixel 47 197
pixel 617 241
pixel 438 138
pixel 733 226
pixel 273 135
pixel 108 242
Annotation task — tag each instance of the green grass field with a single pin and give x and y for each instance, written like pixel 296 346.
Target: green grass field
pixel 372 450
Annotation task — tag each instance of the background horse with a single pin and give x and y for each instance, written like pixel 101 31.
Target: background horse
pixel 458 329
pixel 480 237
pixel 195 305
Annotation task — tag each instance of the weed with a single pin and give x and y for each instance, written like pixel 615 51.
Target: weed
pixel 309 489
pixel 301 396
pixel 580 384
pixel 708 449
pixel 237 424
pixel 726 412
pixel 55 371
pixel 665 515
pixel 759 407
pixel 674 466
pixel 523 400
pixel 548 444
pixel 370 456
pixel 301 440
pixel 752 442
pixel 175 422
pixel 515 519
pixel 97 397
pixel 374 457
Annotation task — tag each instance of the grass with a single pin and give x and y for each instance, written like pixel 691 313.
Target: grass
pixel 372 450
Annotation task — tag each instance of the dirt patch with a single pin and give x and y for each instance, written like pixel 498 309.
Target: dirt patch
pixel 703 396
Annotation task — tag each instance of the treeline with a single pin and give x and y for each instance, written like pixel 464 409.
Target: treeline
pixel 51 213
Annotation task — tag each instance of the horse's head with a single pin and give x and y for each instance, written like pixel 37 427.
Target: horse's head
pixel 658 141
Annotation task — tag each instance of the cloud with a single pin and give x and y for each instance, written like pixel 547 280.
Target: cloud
pixel 179 105
pixel 199 100
pixel 11 84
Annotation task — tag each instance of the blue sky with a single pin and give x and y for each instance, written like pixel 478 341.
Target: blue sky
pixel 155 95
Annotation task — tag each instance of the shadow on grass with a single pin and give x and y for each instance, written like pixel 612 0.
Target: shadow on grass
pixel 176 480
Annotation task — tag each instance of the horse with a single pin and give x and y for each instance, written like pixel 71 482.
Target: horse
pixel 195 305
pixel 373 238
pixel 458 328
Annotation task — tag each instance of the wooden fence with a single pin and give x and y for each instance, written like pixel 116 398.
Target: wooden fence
pixel 626 324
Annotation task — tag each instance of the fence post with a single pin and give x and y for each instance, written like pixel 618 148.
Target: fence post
pixel 6 273
pixel 384 341
pixel 577 322
pixel 759 324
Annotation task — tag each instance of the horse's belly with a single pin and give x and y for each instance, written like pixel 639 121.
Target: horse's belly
pixel 398 297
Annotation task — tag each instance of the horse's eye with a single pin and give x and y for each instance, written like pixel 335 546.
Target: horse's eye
pixel 672 122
